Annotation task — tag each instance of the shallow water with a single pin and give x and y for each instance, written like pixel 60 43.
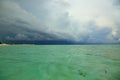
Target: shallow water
pixel 60 62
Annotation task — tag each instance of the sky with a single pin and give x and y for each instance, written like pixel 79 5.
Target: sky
pixel 78 21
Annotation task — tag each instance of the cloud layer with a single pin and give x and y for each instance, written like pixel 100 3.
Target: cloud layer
pixel 94 21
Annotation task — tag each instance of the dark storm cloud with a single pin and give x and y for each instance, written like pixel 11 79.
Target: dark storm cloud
pixel 59 20
pixel 17 24
pixel 19 32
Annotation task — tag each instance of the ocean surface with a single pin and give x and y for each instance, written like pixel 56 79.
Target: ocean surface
pixel 60 62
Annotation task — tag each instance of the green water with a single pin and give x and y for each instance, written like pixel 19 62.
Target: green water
pixel 60 62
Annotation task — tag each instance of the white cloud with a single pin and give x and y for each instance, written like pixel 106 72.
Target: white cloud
pixel 102 12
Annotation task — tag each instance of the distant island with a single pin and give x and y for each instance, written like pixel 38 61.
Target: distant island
pixel 3 44
pixel 49 42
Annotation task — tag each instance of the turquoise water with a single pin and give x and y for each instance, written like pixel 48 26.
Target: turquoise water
pixel 60 62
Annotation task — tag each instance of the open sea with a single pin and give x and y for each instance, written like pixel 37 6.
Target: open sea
pixel 60 62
